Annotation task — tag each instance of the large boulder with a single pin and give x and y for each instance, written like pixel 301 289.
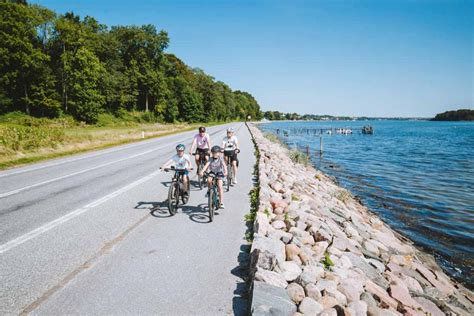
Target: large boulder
pixel 267 252
pixel 270 300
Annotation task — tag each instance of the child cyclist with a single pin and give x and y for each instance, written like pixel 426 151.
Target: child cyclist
pixel 202 143
pixel 216 165
pixel 182 163
pixel 230 144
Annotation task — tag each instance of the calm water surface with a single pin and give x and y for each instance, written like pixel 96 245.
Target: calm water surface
pixel 417 175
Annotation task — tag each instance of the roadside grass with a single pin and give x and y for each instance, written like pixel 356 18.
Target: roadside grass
pixel 25 139
pixel 299 157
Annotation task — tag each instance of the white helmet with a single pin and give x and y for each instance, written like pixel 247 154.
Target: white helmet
pixel 230 130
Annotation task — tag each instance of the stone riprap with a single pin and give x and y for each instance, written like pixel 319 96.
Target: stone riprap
pixel 331 255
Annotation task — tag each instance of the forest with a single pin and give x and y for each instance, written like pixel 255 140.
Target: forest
pixel 54 65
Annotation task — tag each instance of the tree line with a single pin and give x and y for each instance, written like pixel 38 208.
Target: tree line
pixel 53 64
pixel 458 115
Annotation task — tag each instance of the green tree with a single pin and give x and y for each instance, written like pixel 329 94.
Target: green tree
pixel 85 72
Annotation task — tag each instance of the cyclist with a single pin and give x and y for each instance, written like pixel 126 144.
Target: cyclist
pixel 181 162
pixel 230 144
pixel 218 167
pixel 202 143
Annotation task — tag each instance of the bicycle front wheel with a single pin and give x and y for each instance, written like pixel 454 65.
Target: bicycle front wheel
pixel 211 205
pixel 173 199
pixel 229 177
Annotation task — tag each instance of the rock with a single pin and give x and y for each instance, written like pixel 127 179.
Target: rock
pixel 312 291
pixel 310 307
pixel 305 258
pixel 371 247
pixel 399 291
pixel 279 211
pixel 324 284
pixel 267 252
pixel 277 187
pixel 280 235
pixel 446 289
pixel 329 312
pixel 276 203
pixel 352 289
pixel 292 251
pixel 271 278
pixel 381 294
pixel 368 270
pixel 328 301
pixel 290 270
pixel 341 298
pixel 428 306
pixel 298 232
pixel 262 224
pixel 308 240
pixel 320 247
pixel 377 264
pixel 369 299
pixel 296 292
pixel 279 224
pixel 270 300
pixel 358 308
pixel 402 260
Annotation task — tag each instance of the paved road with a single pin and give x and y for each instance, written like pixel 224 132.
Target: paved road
pixel 90 234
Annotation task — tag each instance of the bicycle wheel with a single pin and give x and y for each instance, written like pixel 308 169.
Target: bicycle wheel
pixel 211 204
pixel 173 194
pixel 200 179
pixel 229 176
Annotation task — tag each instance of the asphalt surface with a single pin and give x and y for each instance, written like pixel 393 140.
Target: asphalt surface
pixel 91 234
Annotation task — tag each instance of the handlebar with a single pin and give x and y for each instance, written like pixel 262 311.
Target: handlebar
pixel 174 169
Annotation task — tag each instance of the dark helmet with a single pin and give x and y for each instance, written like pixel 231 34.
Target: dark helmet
pixel 215 149
pixel 202 129
pixel 180 147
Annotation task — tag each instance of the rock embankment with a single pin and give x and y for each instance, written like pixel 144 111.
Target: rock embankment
pixel 317 251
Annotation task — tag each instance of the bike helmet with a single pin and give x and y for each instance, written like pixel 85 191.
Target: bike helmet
pixel 230 130
pixel 215 149
pixel 202 129
pixel 180 147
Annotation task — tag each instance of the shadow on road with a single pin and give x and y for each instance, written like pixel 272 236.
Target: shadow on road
pixel 156 209
pixel 240 302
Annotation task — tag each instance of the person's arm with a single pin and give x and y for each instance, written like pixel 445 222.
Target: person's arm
pixel 167 164
pixel 192 146
pixel 225 168
pixel 204 169
pixel 189 163
pixel 209 141
pixel 237 143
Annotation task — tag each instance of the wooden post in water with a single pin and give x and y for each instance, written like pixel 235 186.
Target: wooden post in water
pixel 307 150
pixel 321 145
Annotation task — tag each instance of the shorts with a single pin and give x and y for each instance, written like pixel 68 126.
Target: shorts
pixel 219 175
pixel 202 151
pixel 183 172
pixel 232 154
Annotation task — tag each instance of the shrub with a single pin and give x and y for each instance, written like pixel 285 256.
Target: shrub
pixel 271 137
pixel 20 138
pixel 298 157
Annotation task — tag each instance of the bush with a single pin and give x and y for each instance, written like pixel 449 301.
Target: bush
pixel 19 138
pixel 299 157
pixel 272 137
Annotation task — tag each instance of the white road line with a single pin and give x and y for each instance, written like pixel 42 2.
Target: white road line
pixel 43 229
pixel 16 191
pixel 7 173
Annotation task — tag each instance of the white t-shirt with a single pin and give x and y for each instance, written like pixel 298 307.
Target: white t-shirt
pixel 230 143
pixel 181 162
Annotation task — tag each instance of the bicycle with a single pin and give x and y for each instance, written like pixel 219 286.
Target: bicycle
pixel 176 189
pixel 213 196
pixel 201 163
pixel 230 170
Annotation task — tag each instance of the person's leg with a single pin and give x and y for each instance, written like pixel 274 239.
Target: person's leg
pixel 221 192
pixel 186 183
pixel 234 168
pixel 196 156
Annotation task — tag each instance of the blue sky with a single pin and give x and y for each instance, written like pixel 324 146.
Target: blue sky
pixel 375 58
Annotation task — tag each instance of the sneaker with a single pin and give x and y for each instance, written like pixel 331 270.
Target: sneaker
pixel 207 194
pixel 222 206
pixel 235 181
